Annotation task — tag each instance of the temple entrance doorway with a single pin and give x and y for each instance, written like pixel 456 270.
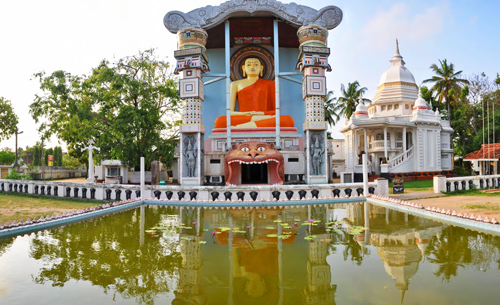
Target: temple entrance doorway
pixel 254 173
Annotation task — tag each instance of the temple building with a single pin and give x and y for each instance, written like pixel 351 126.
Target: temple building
pixel 252 84
pixel 400 133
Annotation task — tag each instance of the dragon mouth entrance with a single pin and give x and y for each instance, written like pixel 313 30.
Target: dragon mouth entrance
pixel 254 163
pixel 253 172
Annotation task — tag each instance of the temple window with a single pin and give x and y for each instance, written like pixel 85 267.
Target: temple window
pixel 407 106
pixel 389 107
pixel 396 107
pixel 399 136
pixel 383 108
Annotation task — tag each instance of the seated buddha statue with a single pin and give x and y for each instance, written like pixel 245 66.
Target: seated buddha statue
pixel 255 98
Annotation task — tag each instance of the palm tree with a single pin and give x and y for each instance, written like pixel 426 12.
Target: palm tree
pixel 331 109
pixel 446 82
pixel 350 98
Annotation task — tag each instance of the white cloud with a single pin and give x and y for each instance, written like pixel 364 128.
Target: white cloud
pixel 402 20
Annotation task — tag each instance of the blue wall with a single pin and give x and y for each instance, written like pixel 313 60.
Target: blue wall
pixel 291 93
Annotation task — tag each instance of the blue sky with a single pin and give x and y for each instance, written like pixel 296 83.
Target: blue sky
pixel 75 35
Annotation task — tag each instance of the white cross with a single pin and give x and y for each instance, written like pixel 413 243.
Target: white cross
pixel 90 148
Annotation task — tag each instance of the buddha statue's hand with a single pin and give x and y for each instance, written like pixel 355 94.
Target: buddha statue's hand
pixel 250 113
pixel 262 117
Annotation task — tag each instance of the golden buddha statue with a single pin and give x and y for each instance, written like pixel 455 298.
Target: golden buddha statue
pixel 256 100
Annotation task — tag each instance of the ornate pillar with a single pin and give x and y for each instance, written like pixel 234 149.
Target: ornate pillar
pixel 405 148
pixel 385 143
pixel 192 62
pixel 313 62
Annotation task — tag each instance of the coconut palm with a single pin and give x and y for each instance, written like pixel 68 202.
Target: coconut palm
pixel 446 82
pixel 331 109
pixel 350 98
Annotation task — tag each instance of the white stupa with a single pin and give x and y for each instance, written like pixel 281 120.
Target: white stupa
pixel 398 126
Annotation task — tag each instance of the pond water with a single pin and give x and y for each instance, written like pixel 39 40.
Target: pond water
pixel 311 255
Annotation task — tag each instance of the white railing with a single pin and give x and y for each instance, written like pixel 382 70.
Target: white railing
pixel 401 158
pixel 445 184
pixel 101 191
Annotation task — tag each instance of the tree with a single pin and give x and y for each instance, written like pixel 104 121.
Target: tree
pixel 350 98
pixel 37 156
pixel 446 83
pixel 8 119
pixel 133 104
pixel 58 156
pixel 7 157
pixel 331 109
pixel 71 162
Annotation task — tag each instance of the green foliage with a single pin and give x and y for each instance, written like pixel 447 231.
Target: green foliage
pixel 460 171
pixel 7 157
pixel 346 104
pixel 37 156
pixel 446 82
pixel 13 175
pixel 71 162
pixel 58 156
pixel 331 115
pixel 133 104
pixel 8 119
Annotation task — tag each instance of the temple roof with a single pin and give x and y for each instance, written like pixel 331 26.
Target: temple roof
pixel 210 16
pixel 487 152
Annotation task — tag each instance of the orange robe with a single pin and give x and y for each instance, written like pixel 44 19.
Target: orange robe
pixel 258 97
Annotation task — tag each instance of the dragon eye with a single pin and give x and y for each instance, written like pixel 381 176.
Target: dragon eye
pixel 261 148
pixel 245 149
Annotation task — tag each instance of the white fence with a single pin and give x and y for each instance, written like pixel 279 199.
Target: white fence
pixel 443 184
pixel 122 191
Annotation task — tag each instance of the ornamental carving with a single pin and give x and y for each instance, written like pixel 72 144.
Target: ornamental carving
pixel 210 16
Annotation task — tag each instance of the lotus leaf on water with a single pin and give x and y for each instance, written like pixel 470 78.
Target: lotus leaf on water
pixel 283 236
pixel 272 235
pixel 270 228
pixel 310 237
pixel 202 242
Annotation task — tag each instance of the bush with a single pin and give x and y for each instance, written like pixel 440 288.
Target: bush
pixel 13 175
pixel 460 171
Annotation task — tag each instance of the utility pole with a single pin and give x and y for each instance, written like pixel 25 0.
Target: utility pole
pixel 42 160
pixel 16 165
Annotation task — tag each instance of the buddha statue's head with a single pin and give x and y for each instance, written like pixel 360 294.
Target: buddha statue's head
pixel 252 67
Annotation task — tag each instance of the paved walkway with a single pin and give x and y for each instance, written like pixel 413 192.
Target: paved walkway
pixel 416 195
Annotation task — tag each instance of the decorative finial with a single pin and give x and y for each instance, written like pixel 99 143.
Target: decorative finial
pixel 397 58
pixel 419 92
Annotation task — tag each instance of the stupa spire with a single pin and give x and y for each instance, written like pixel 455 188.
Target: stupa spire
pixel 397 58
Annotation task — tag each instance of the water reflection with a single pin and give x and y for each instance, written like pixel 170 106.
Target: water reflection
pixel 254 256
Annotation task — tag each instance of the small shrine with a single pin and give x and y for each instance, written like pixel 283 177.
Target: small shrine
pixel 252 84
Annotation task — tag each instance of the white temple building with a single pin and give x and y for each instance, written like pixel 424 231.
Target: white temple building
pixel 398 127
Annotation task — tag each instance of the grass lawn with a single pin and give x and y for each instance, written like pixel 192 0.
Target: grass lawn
pixel 472 193
pixel 415 186
pixel 17 206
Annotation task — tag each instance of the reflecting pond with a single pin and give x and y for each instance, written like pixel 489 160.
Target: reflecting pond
pixel 310 255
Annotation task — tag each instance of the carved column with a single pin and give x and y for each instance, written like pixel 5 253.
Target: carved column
pixel 313 61
pixel 192 62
